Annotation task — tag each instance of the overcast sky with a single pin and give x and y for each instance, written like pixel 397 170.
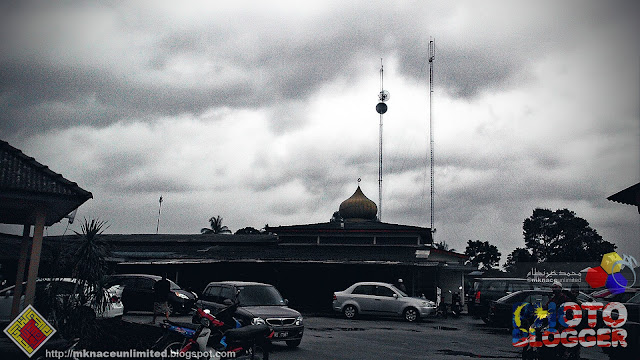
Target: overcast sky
pixel 264 112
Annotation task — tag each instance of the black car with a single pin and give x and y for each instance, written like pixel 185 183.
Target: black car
pixel 501 310
pixel 138 293
pixel 258 303
pixel 632 326
pixel 486 290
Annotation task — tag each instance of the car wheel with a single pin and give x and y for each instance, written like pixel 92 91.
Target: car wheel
pixel 293 343
pixel 350 311
pixel 411 314
pixel 170 308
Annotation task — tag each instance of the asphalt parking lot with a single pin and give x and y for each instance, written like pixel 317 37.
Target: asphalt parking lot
pixel 332 337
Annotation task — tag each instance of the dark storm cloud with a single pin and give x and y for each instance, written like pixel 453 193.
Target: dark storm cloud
pixel 251 62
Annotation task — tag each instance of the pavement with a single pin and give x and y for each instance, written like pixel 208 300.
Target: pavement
pixel 329 336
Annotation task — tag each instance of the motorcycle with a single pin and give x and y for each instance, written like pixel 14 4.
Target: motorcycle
pixel 215 337
pixel 542 352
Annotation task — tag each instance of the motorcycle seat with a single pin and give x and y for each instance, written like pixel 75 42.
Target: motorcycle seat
pixel 248 332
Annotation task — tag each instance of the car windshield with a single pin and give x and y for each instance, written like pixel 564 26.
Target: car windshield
pixel 259 295
pixel 174 286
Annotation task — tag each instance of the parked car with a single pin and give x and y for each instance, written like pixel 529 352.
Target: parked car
pixel 138 293
pixel 486 290
pixel 377 298
pixel 501 310
pixel 605 296
pixel 258 303
pixel 61 288
pixel 632 326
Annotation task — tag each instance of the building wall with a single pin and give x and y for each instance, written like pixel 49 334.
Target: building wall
pixel 308 286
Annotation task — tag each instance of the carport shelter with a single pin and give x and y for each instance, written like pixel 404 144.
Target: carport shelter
pixel 32 195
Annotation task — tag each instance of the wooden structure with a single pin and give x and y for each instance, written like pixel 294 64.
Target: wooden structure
pixel 32 195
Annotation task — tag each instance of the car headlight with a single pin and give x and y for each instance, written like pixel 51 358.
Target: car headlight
pixel 180 295
pixel 257 321
pixel 299 321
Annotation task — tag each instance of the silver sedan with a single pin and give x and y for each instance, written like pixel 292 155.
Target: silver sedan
pixel 376 298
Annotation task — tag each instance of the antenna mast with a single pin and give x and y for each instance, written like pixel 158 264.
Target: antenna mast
pixel 432 55
pixel 381 108
pixel 159 209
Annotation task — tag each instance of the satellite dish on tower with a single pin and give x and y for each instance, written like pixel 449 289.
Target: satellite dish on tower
pixel 383 95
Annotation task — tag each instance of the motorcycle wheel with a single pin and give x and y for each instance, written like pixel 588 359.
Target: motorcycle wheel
pixel 173 346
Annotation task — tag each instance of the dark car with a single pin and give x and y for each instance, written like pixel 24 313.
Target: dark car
pixel 606 296
pixel 138 293
pixel 258 303
pixel 632 326
pixel 501 310
pixel 486 290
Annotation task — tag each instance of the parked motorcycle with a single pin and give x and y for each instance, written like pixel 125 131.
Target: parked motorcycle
pixel 215 335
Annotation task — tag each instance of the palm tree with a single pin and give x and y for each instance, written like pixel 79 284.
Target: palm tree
pixel 216 227
pixel 89 266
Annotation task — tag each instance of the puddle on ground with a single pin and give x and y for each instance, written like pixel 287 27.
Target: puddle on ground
pixel 470 354
pixel 336 328
pixel 445 328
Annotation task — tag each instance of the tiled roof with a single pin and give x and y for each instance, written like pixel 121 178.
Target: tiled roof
pixel 21 173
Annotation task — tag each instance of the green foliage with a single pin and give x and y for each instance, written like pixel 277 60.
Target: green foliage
pixel 89 266
pixel 562 236
pixel 216 227
pixel 518 255
pixel 248 231
pixel 482 255
pixel 442 245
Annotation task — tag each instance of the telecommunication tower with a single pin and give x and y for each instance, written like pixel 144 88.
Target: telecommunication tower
pixel 381 108
pixel 432 55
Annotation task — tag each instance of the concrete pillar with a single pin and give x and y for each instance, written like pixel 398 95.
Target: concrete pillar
pixel 36 249
pixel 22 264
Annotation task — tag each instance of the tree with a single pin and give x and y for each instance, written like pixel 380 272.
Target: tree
pixel 216 227
pixel 442 245
pixel 248 231
pixel 75 316
pixel 336 217
pixel 482 255
pixel 518 255
pixel 562 236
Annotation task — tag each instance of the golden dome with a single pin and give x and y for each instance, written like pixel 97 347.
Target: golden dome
pixel 358 207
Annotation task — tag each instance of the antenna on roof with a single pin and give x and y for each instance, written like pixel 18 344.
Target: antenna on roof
pixel 159 208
